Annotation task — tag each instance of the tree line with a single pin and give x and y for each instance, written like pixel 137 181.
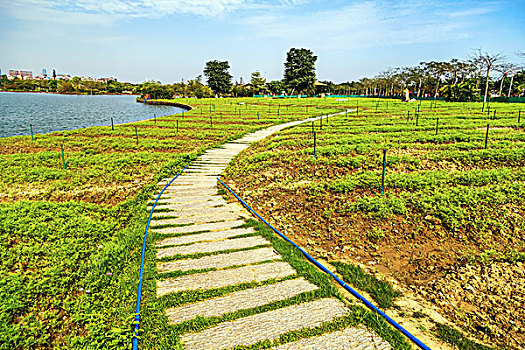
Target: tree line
pixel 74 86
pixel 299 78
pixel 481 74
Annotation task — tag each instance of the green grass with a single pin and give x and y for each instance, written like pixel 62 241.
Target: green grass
pixel 105 165
pixel 52 255
pixel 449 175
pixel 54 220
pixel 380 291
pixel 63 231
pixel 454 337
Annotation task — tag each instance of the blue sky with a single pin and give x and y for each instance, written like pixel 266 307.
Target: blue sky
pixel 168 40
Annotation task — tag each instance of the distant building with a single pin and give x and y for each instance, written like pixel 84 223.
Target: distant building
pixel 44 72
pixel 107 80
pixel 63 77
pixel 22 74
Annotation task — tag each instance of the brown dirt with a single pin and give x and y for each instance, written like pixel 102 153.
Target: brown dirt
pixel 486 299
pixel 417 251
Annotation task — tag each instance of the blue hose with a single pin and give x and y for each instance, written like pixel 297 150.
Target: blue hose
pixel 139 291
pixel 340 281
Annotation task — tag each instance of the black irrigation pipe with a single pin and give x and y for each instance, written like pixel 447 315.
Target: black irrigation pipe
pixel 139 289
pixel 324 269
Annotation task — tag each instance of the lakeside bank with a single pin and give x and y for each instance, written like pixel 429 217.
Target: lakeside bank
pixel 164 103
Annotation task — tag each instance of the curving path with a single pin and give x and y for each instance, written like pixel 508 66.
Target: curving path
pixel 221 255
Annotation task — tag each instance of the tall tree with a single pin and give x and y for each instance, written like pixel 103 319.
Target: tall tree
pixel 416 75
pixel 257 82
pixel 489 62
pixel 436 71
pixel 299 70
pixel 218 77
pixel 505 69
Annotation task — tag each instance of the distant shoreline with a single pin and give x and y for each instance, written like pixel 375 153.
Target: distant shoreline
pixel 68 93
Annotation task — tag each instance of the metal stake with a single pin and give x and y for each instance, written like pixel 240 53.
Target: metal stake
pixel 487 136
pixel 63 159
pixel 383 178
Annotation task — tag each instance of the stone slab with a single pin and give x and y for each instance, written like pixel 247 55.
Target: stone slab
pixel 205 237
pixel 191 186
pixel 181 181
pixel 349 338
pixel 220 261
pixel 210 247
pixel 200 219
pixel 198 211
pixel 269 325
pixel 244 299
pixel 191 205
pixel 204 170
pixel 201 163
pixel 223 225
pixel 225 278
pixel 191 192
pixel 169 199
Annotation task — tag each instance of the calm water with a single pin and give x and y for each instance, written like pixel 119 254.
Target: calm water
pixel 51 112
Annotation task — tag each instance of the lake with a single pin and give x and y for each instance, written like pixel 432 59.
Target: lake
pixel 53 112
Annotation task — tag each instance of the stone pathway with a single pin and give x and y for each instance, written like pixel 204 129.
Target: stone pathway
pixel 207 250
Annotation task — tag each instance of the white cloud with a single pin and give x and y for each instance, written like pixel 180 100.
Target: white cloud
pixel 366 24
pixel 481 10
pixel 106 40
pixel 318 25
pixel 47 11
pixel 90 11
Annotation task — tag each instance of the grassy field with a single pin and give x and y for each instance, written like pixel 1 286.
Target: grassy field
pixel 71 238
pixel 450 225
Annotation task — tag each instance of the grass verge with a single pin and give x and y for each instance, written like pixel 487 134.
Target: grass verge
pixel 380 291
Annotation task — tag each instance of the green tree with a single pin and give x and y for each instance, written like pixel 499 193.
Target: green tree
pixel 3 81
pixel 197 88
pixel 155 90
pixel 53 85
pixel 299 70
pixel 239 90
pixel 275 87
pixel 258 83
pixel 217 76
pixel 462 92
pixel 65 87
pixel 115 87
